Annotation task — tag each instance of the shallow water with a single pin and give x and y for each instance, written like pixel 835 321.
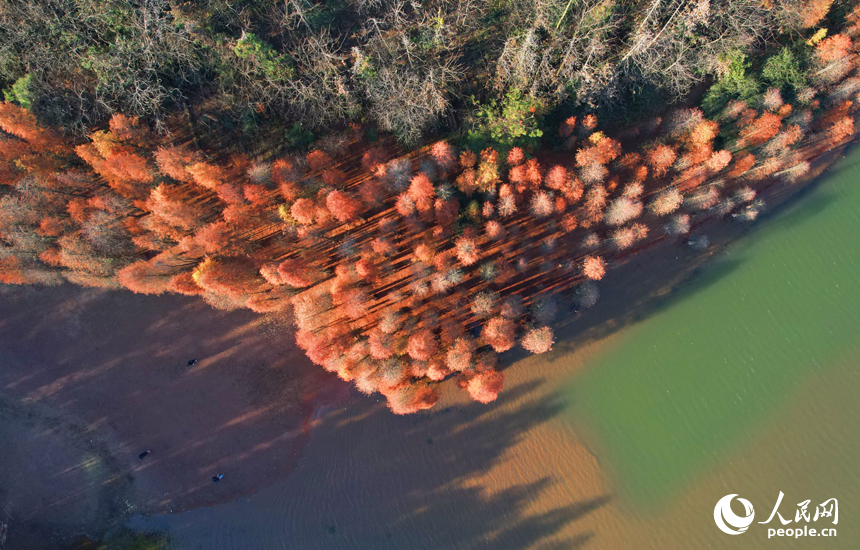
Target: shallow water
pixel 745 381
pixel 732 355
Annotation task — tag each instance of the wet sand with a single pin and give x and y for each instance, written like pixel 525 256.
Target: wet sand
pixel 107 372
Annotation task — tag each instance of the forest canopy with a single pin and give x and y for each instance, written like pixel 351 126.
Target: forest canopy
pixel 411 68
pixel 428 185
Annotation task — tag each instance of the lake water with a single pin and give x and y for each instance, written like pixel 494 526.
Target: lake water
pixel 745 381
pixel 764 343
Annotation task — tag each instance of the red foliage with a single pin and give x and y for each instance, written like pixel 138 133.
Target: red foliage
pixel 290 191
pixel 719 160
pixel 534 173
pixel 761 129
pixel 371 193
pixel 833 48
pixel 268 302
pixel 840 130
pixel 20 122
pixel 51 226
pixel 256 194
pixel 542 204
pixel 230 193
pixel 588 155
pixel 79 210
pixel 443 155
pixel 319 160
pixel 143 277
pixel 538 340
pixel 422 192
pixel 207 175
pixel 373 157
pixel 383 246
pixel 594 267
pixel 556 178
pixel 814 11
pixel 468 159
pixel 412 398
pixel 703 134
pixel 569 223
pixel 660 158
pixel 381 344
pixel 183 283
pixel 466 250
pixel 592 209
pixel 168 204
pixel 334 177
pixel 233 277
pixel 485 386
pixel 590 122
pixel 500 333
pixel 422 344
pixel 367 270
pixel 566 128
pixel 743 163
pixel 516 156
pixel 297 273
pixel 303 211
pixel 459 355
pixel 343 206
pixel 467 182
pixel 609 150
pixel 447 211
pixel 127 128
pixel 214 237
pixel 285 171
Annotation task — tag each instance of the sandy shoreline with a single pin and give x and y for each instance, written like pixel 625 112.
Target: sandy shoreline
pixel 113 367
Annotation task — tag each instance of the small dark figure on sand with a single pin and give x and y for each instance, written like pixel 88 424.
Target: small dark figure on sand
pixel 217 478
pixel 192 362
pixel 143 455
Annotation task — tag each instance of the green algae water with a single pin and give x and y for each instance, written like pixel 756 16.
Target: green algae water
pixel 734 353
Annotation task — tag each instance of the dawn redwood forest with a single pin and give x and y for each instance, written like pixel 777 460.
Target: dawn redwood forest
pixel 420 185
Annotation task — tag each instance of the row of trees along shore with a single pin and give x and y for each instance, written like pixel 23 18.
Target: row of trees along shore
pixel 402 270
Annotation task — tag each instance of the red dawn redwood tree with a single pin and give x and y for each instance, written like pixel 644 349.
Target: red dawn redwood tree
pixel 422 344
pixel 485 386
pixel 538 340
pixel 343 206
pixel 499 333
pixel 594 267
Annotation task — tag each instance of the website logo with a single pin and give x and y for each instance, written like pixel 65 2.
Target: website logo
pixel 732 524
pixel 729 522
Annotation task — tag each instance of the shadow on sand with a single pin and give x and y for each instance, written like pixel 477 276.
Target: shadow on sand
pixel 369 479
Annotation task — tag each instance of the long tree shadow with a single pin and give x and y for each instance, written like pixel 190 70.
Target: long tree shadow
pixel 115 364
pixel 369 479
